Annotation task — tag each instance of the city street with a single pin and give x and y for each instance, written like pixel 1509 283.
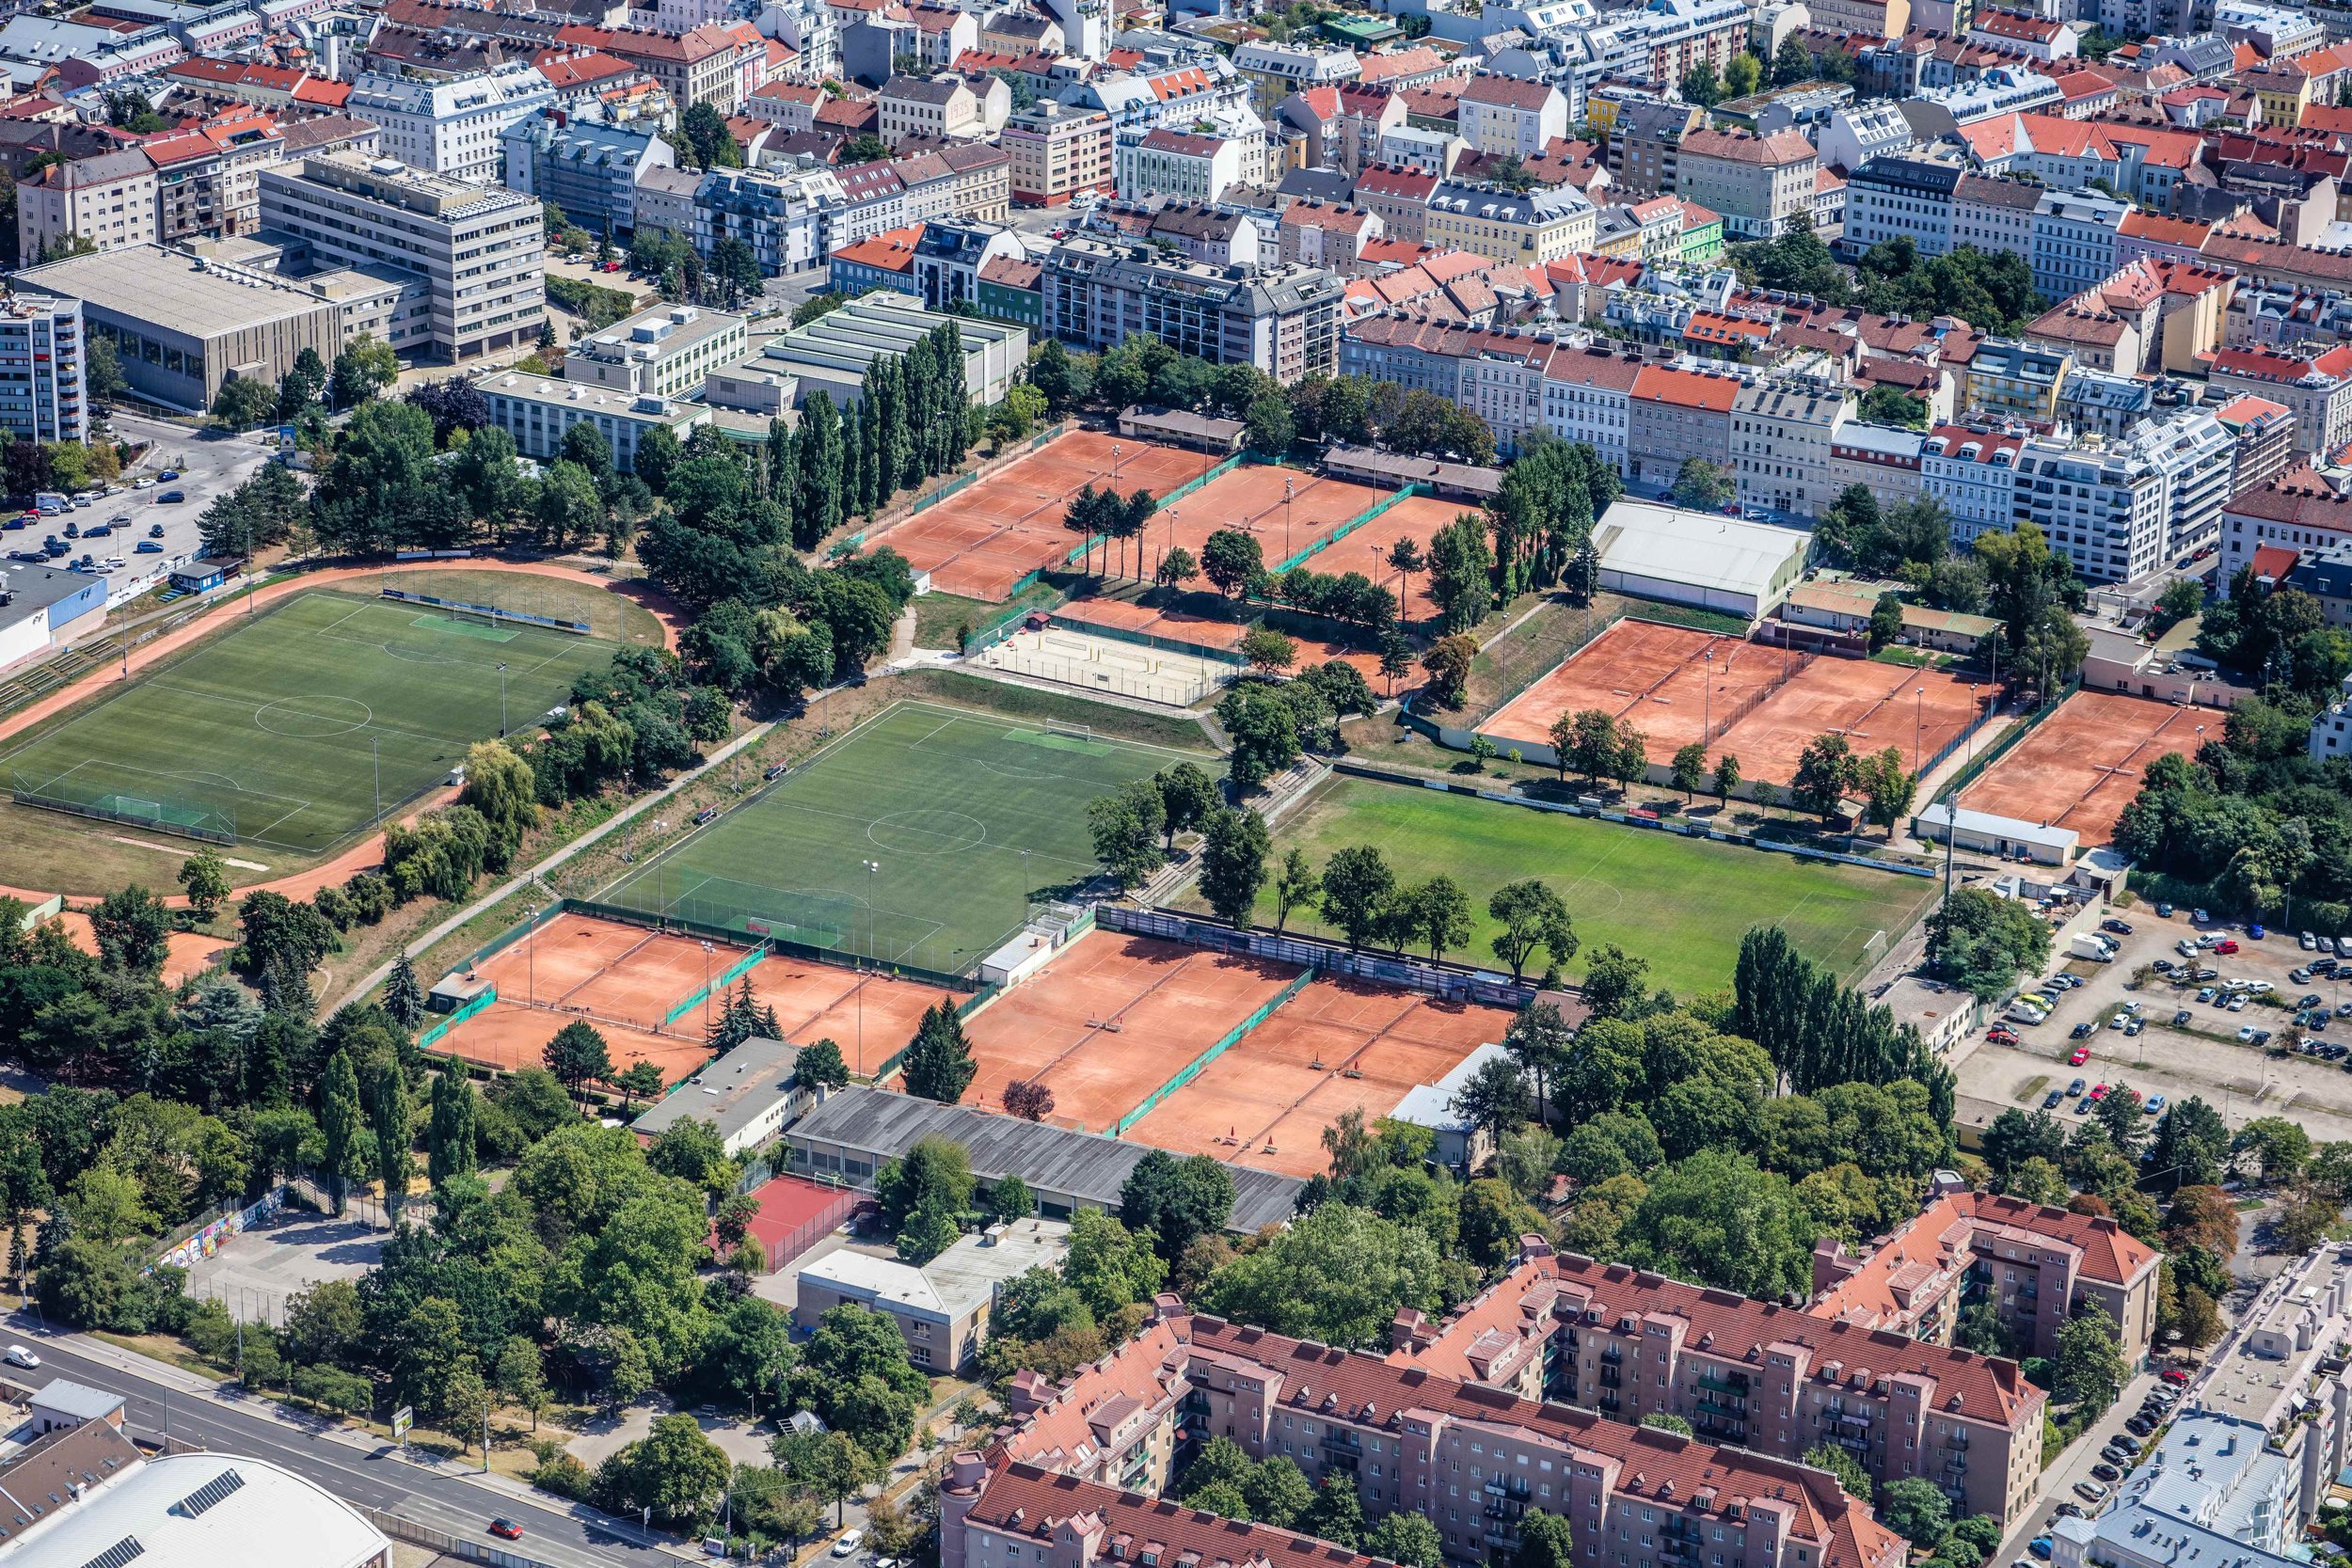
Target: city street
pixel 2074 1464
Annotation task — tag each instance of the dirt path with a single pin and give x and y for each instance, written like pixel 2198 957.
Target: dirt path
pixel 370 850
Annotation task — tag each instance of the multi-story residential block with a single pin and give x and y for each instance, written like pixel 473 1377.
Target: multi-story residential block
pixel 1175 164
pixel 1761 184
pixel 1883 459
pixel 665 351
pixel 453 126
pixel 1516 228
pixel 665 200
pixel 43 351
pixel 2034 1263
pixel 1644 146
pixel 1857 133
pixel 478 251
pixel 1321 235
pixel 1276 70
pixel 1891 197
pixel 2294 512
pixel 592 170
pixel 2073 239
pixel 2117 509
pixel 2012 378
pixel 107 200
pixel 709 64
pixel 1056 152
pixel 1750 1373
pixel 1865 20
pixel 1510 115
pixel 1781 435
pixel 1399 198
pixel 1972 473
pixel 939 108
pixel 1673 416
pixel 791 221
pixel 1588 393
pixel 2315 388
pixel 2263 433
pixel 1283 320
pixel 1988 214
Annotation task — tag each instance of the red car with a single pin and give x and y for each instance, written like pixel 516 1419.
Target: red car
pixel 2080 1056
pixel 2227 944
pixel 2098 1091
pixel 1999 1036
pixel 2175 1376
pixel 506 1529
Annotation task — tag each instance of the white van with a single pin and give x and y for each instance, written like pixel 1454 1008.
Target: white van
pixel 848 1544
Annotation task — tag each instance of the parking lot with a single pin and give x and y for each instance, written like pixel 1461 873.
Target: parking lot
pixel 2202 1055
pixel 208 463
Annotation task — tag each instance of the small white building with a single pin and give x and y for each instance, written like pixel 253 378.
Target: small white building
pixel 2006 837
pixel 539 410
pixel 943 1307
pixel 1462 1145
pixel 1654 550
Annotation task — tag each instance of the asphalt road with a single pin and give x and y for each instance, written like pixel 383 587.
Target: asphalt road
pixel 379 1480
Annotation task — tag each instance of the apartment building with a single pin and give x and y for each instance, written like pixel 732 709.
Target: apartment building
pixel 108 199
pixel 591 170
pixel 1891 197
pixel 1673 416
pixel 1775 1379
pixel 2073 239
pixel 2015 379
pixel 1588 397
pixel 1644 146
pixel 1175 164
pixel 709 64
pixel 453 126
pixel 1972 473
pixel 1510 116
pixel 1781 435
pixel 938 108
pixel 1399 197
pixel 791 221
pixel 478 250
pixel 1883 459
pixel 1284 320
pixel 1516 228
pixel 1992 216
pixel 2263 433
pixel 1056 152
pixel 1759 183
pixel 2295 512
pixel 2108 506
pixel 42 353
pixel 2315 388
pixel 1470 1459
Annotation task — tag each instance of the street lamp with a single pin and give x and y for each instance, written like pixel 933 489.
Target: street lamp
pixel 1286 519
pixel 501 701
pixel 872 867
pixel 1919 710
pixel 1706 695
pixel 705 988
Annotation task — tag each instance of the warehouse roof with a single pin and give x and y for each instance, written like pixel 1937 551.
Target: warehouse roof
pixel 1048 1158
pixel 732 1093
pixel 1702 550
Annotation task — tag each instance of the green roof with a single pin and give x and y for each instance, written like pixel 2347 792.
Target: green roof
pixel 1361 29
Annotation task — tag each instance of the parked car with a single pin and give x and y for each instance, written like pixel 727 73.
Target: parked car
pixel 2000 1035
pixel 2256 931
pixel 2175 1376
pixel 2073 1088
pixel 2135 1026
pixel 2181 1019
pixel 2120 927
pixel 2090 1491
pixel 2040 1548
pixel 2082 1032
pixel 2246 1033
pixel 155 531
pixel 2098 1092
pixel 171 498
pixel 2226 946
pixel 2105 1472
pixel 2155 1106
pixel 2081 1054
pixel 168 475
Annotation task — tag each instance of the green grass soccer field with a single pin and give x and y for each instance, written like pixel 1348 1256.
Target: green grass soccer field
pixel 273 732
pixel 1682 903
pixel 920 838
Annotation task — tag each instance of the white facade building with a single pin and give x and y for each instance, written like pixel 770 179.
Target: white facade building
pixel 1973 475
pixel 2115 508
pixel 452 128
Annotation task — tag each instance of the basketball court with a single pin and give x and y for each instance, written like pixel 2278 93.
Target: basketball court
pixel 2083 765
pixel 986 537
pixel 1107 664
pixel 1764 704
pixel 1337 1046
pixel 1110 1018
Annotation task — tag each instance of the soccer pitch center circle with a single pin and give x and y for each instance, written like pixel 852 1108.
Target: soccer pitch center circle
pixel 927 832
pixel 314 717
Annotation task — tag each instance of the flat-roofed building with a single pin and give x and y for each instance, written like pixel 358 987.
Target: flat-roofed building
pixel 1651 550
pixel 479 251
pixel 43 347
pixel 667 350
pixel 539 410
pixel 1781 435
pixel 200 1511
pixel 833 354
pixel 1056 152
pixel 1284 320
pixel 942 1309
pixel 456 126
pixel 181 327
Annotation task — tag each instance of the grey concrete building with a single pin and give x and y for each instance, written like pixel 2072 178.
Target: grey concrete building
pixel 1283 320
pixel 588 169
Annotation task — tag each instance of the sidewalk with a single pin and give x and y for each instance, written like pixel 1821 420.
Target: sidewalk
pixel 262 1407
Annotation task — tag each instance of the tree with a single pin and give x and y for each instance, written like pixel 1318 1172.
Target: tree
pixel 1126 827
pixel 1267 426
pixel 1545 1542
pixel 1031 1100
pixel 340 1125
pixel 577 1053
pixel 245 401
pixel 450 1138
pixel 1448 663
pixel 1727 777
pixel 1357 889
pixel 821 1065
pixel 133 931
pixel 1232 864
pixel 2091 1369
pixel 1175 1201
pixel 1441 915
pixel 1297 887
pixel 404 997
pixel 1461 573
pixel 826 1465
pixel 1826 772
pixel 1892 406
pixel 1230 558
pixel 1267 651
pixel 1886 790
pixel 674 1470
pixel 1338 1275
pixel 1887 619
pixel 1791 63
pixel 938 1064
pixel 2282 1149
pixel 363 369
pixel 1496 1097
pixel 1176 568
pixel 1614 982
pixel 1690 769
pixel 1405 1537
pixel 1917 1509
pixel 1702 485
pixel 1719 1220
pixel 1844 1466
pixel 1531 915
pixel 1982 941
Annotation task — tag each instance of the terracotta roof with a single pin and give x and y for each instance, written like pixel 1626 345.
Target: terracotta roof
pixel 1410 184
pixel 2110 1254
pixel 1012 272
pixel 1400 62
pixel 2272 563
pixel 2137 225
pixel 1020 1500
pixel 2246 409
pixel 1590 365
pixel 2299 497
pixel 1739 147
pixel 1685 388
pixel 1713 326
pixel 1508 93
pixel 2260 364
pixel 892 251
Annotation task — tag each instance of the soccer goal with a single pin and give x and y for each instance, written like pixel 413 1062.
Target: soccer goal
pixel 1076 732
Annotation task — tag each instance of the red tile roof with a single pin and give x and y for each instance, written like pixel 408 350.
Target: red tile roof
pixel 1685 388
pixel 1020 1500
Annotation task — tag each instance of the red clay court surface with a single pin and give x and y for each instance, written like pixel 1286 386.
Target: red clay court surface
pixel 1250 497
pixel 1110 1018
pixel 997 531
pixel 1763 704
pixel 506 1034
pixel 1202 632
pixel 2082 766
pixel 1366 550
pixel 607 971
pixel 819 1001
pixel 1337 1046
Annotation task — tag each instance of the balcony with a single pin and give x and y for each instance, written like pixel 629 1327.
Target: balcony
pixel 1736 1383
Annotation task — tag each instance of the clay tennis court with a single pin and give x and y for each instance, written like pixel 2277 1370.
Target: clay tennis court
pixel 1337 1046
pixel 507 1036
pixel 2083 765
pixel 1366 550
pixel 997 531
pixel 187 954
pixel 607 971
pixel 819 1001
pixel 1109 1020
pixel 1201 632
pixel 1250 497
pixel 1763 704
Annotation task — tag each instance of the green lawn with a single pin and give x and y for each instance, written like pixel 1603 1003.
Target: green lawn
pixel 1682 903
pixel 275 730
pixel 967 819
